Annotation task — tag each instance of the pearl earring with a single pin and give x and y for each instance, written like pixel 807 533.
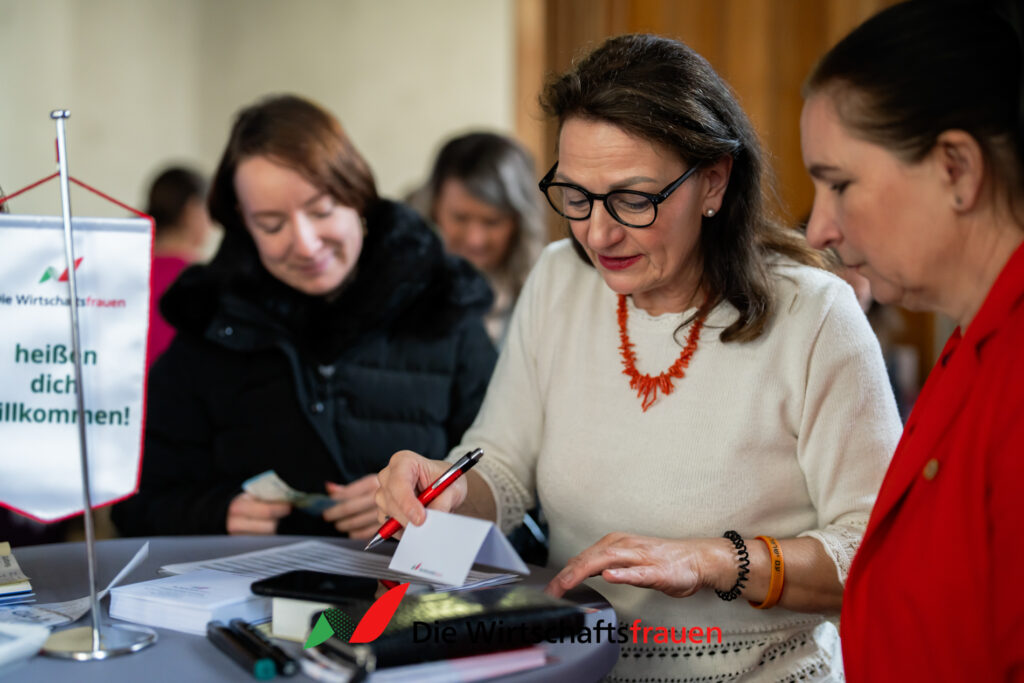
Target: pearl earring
pixel 709 212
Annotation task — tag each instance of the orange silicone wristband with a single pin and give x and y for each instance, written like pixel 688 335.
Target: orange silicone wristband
pixel 778 569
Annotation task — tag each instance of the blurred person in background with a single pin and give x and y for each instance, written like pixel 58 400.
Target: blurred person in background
pixel 177 203
pixel 482 197
pixel 901 360
pixel 329 330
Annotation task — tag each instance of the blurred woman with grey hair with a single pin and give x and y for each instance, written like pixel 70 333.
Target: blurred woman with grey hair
pixel 482 196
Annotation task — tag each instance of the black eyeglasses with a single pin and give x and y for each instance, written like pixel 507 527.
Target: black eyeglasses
pixel 632 208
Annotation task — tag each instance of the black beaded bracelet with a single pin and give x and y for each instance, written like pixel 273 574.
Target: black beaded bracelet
pixel 744 564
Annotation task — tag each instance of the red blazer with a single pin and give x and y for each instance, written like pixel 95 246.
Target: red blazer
pixel 936 592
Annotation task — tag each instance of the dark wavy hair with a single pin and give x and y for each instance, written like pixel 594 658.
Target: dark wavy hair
pixel 304 137
pixel 171 192
pixel 662 91
pixel 888 93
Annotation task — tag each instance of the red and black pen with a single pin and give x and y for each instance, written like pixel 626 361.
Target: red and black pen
pixel 463 465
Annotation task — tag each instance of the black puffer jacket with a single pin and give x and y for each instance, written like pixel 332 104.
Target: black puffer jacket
pixel 263 377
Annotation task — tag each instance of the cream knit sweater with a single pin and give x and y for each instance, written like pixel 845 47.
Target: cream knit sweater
pixel 788 436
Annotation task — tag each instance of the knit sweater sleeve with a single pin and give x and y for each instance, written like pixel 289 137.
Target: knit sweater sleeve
pixel 849 427
pixel 510 424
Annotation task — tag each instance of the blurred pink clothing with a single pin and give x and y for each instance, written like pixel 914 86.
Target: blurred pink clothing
pixel 165 271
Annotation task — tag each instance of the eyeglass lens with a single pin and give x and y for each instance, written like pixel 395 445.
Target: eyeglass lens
pixel 627 207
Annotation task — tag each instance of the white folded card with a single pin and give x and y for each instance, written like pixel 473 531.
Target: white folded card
pixel 444 548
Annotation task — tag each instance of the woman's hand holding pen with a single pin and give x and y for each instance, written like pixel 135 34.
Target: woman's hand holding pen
pixel 405 476
pixel 249 515
pixel 356 513
pixel 678 568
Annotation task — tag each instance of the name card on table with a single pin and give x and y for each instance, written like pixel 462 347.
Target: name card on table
pixel 444 548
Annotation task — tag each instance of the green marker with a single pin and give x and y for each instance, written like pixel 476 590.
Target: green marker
pixel 261 668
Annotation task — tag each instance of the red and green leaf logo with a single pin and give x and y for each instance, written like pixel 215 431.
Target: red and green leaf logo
pixel 334 622
pixel 51 272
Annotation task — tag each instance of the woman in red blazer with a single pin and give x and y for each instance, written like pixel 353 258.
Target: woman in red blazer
pixel 912 133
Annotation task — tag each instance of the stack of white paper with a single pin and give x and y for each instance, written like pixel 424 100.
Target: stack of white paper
pixel 187 602
pixel 15 588
pixel 324 557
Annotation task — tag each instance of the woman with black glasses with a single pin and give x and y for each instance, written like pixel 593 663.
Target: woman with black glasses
pixel 702 411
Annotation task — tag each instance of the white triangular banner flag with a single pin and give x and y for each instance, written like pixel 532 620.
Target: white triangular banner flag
pixel 40 461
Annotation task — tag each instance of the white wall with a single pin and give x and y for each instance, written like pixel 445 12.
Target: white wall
pixel 151 82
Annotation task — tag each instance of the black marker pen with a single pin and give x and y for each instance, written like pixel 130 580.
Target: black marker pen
pixel 286 666
pixel 262 668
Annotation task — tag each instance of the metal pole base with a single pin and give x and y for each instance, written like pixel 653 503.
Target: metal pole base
pixel 115 639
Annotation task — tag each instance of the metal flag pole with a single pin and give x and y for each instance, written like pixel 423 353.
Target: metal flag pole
pixel 109 640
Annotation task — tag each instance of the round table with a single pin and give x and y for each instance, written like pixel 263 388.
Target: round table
pixel 59 572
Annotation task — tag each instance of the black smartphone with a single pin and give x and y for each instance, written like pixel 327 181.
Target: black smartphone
pixel 303 584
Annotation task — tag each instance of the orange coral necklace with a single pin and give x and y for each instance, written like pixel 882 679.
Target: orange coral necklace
pixel 647 387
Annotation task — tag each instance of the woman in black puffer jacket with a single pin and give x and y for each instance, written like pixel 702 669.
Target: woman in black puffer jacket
pixel 330 331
